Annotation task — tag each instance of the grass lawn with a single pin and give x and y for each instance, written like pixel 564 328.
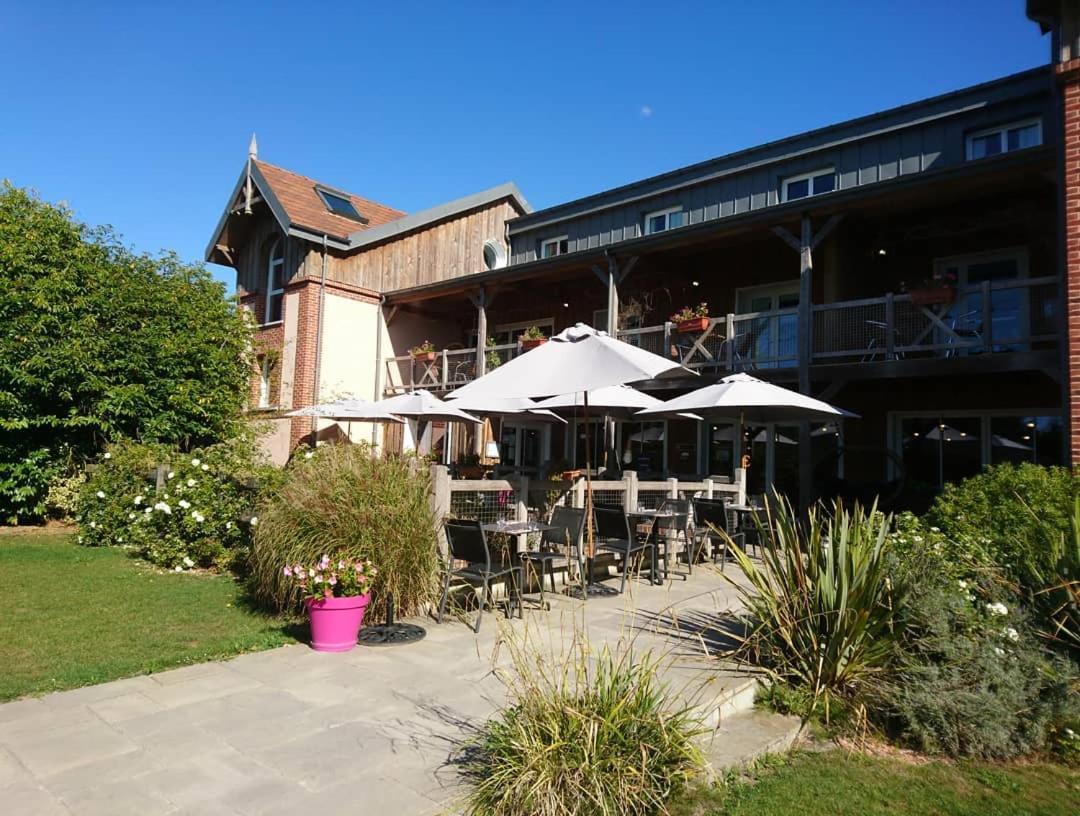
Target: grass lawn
pixel 72 616
pixel 836 783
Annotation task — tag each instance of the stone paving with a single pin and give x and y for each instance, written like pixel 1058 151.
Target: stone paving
pixel 292 730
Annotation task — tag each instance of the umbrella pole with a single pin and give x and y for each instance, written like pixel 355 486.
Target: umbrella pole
pixel 585 579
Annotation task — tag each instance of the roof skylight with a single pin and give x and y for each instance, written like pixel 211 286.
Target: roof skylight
pixel 339 204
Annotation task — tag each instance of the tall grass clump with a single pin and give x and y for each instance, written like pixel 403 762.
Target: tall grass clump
pixel 584 734
pixel 819 604
pixel 343 499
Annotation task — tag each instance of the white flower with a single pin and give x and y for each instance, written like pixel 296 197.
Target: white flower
pixel 997 609
pixel 149 510
pixel 171 475
pixel 138 499
pixel 971 598
pixel 228 525
pixel 963 584
pixel 1070 733
pixel 311 573
pixel 308 455
pixel 80 539
pixel 194 462
pixel 1011 634
pixel 199 517
pixel 935 530
pixel 164 508
pixel 93 525
pixel 108 455
pixel 184 503
pixel 999 651
pixel 101 494
pixel 131 516
pixel 188 562
pixel 178 568
pixel 191 483
pixel 120 539
pixel 254 521
pixel 205 467
pixel 917 539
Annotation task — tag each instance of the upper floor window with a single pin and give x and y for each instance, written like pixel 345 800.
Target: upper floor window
pixel 663 220
pixel 1004 139
pixel 808 184
pixel 275 281
pixel 339 204
pixel 494 254
pixel 554 246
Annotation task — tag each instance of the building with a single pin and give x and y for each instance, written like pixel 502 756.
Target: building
pixel 910 265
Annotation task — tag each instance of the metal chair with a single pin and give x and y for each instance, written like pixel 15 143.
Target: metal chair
pixel 468 543
pixel 669 530
pixel 711 525
pixel 614 535
pixel 556 544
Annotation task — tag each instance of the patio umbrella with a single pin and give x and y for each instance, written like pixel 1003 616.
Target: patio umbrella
pixel 575 360
pixel 495 407
pixel 423 406
pixel 1004 442
pixel 350 409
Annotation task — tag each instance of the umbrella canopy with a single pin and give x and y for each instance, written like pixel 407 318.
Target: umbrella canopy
pixel 575 360
pixel 494 407
pixel 1004 442
pixel 741 396
pixel 620 401
pixel 423 405
pixel 350 409
pixel 949 434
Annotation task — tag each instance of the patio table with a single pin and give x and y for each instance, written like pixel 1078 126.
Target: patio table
pixel 653 516
pixel 517 528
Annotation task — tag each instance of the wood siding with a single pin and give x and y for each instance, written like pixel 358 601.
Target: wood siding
pixel 449 249
pixel 252 257
pixel 915 139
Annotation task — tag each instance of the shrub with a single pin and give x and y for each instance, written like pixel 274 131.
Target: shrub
pixel 200 517
pixel 587 734
pixel 343 499
pixel 62 500
pixel 98 343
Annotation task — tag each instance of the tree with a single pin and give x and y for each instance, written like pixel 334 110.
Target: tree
pixel 98 343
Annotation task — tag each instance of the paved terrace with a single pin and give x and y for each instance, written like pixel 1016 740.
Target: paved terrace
pixel 294 731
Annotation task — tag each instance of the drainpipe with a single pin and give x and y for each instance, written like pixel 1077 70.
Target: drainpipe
pixel 378 364
pixel 318 340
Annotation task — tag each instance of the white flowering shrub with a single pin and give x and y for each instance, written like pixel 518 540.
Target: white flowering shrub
pixel 200 516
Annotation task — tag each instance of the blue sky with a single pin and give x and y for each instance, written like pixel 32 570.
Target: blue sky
pixel 139 115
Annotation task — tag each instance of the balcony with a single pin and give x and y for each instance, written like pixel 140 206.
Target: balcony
pixel 989 318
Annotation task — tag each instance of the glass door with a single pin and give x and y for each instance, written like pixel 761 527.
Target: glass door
pixel 1008 307
pixel 771 340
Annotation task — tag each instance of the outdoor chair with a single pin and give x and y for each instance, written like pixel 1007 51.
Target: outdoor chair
pixel 467 542
pixel 556 545
pixel 711 525
pixel 614 535
pixel 669 532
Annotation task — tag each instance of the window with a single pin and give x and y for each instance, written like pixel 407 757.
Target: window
pixel 808 184
pixel 494 255
pixel 275 281
pixel 663 220
pixel 264 382
pixel 1004 139
pixel 554 246
pixel 340 204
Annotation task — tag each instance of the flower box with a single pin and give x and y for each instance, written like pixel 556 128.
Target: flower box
pixel 695 325
pixel 424 356
pixel 531 343
pixel 571 475
pixel 931 296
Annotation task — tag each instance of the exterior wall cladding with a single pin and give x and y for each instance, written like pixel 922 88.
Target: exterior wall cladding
pixel 1069 76
pixel 919 138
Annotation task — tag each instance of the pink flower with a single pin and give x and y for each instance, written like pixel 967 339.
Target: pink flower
pixel 341 565
pixel 333 580
pixel 318 579
pixel 287 571
pixel 324 562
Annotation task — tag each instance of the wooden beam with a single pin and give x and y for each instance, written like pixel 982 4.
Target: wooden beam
pixel 788 238
pixel 628 268
pixel 823 233
pixel 601 274
pixel 389 315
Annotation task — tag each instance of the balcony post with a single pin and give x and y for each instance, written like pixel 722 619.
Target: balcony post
pixel 806 350
pixel 729 345
pixel 987 318
pixel 890 327
pixel 445 368
pixel 481 360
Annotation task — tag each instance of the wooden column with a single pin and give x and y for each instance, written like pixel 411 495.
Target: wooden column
pixel 481 359
pixel 806 351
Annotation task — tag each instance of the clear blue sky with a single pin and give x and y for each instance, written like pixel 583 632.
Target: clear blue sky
pixel 139 116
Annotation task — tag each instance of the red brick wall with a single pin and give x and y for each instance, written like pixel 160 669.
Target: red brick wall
pixel 1069 76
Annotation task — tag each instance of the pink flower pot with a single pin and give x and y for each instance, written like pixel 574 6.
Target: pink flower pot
pixel 335 622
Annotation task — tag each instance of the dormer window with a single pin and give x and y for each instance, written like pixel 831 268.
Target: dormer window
pixel 340 204
pixel 275 281
pixel 808 184
pixel 664 220
pixel 555 246
pixel 1004 139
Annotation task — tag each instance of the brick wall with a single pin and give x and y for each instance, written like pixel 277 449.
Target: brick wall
pixel 1069 77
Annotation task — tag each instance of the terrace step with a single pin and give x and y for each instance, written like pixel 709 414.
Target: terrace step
pixel 748 735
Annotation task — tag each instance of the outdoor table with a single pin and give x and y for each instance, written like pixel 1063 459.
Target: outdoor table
pixel 517 528
pixel 654 516
pixel 742 512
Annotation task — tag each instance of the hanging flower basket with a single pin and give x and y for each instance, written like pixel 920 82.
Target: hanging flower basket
pixel 424 356
pixel 695 325
pixel 932 296
pixel 531 343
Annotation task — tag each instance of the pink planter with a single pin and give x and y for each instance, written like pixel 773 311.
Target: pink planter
pixel 335 622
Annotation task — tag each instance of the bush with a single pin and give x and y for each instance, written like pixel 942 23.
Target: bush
pixel 591 734
pixel 98 343
pixel 820 601
pixel 62 500
pixel 342 499
pixel 201 516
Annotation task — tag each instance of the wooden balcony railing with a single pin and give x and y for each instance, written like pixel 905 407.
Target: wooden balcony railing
pixel 986 318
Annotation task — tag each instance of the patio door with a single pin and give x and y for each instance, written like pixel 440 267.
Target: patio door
pixel 524 446
pixel 770 341
pixel 1009 315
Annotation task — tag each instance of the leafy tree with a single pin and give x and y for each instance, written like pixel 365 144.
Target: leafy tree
pixel 99 343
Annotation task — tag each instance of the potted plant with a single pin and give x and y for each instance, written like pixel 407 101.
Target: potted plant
pixel 691 319
pixel 425 352
pixel 336 593
pixel 492 358
pixel 469 467
pixel 531 338
pixel 940 288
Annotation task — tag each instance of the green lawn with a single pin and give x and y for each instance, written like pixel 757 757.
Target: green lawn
pixel 72 616
pixel 836 783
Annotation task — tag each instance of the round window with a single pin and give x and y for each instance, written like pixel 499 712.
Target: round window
pixel 494 255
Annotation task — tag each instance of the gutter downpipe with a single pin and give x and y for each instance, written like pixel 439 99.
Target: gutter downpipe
pixel 318 341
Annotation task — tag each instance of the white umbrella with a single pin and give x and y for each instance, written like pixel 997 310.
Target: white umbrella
pixel 746 398
pixel 947 433
pixel 575 360
pixel 615 400
pixel 352 409
pixel 495 407
pixel 423 405
pixel 1005 442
